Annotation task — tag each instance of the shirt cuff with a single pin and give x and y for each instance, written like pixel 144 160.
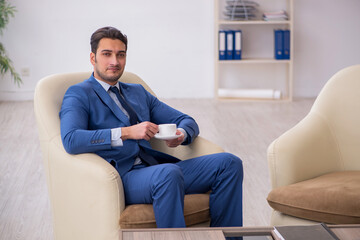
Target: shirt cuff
pixel 184 132
pixel 116 140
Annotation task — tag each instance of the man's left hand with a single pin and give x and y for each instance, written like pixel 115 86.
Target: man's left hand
pixel 177 141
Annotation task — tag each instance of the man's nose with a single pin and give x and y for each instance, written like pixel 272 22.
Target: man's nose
pixel 114 60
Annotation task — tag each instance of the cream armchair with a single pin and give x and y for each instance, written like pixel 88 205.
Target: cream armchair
pixel 86 192
pixel 315 166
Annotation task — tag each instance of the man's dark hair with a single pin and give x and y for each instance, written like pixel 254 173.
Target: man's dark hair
pixel 106 32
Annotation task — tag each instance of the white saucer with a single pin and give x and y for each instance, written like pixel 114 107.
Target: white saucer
pixel 166 137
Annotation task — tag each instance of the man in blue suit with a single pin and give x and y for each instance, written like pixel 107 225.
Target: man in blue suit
pixel 116 121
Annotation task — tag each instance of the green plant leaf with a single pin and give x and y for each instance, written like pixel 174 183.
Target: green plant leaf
pixel 6 12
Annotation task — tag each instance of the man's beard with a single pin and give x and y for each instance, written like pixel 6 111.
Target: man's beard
pixel 114 78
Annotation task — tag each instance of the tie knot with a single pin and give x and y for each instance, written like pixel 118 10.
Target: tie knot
pixel 114 89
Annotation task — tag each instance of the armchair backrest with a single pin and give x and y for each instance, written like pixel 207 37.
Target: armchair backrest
pixel 326 140
pixel 338 105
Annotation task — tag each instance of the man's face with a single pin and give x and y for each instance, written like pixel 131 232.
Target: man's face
pixel 109 60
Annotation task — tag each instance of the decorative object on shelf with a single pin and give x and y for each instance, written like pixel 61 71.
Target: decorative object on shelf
pixel 240 10
pixel 275 16
pixel 7 11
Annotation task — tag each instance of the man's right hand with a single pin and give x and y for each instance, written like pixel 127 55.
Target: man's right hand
pixel 143 130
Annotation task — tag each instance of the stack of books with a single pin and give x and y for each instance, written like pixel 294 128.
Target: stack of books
pixel 240 10
pixel 275 16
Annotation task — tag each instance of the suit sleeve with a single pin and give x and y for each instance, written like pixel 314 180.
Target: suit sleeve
pixel 74 117
pixel 161 113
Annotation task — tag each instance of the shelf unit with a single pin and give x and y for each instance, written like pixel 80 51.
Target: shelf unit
pixel 258 69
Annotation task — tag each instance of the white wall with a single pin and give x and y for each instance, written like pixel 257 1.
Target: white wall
pixel 326 39
pixel 170 42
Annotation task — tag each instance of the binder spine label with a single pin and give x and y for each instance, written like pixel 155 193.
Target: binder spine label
pixel 237 48
pixel 229 45
pixel 222 45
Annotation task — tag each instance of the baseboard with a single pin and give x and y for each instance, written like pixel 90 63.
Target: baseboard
pixel 19 95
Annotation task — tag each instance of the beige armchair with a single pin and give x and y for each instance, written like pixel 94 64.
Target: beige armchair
pixel 315 166
pixel 86 192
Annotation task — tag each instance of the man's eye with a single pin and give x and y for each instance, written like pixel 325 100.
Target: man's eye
pixel 106 54
pixel 122 55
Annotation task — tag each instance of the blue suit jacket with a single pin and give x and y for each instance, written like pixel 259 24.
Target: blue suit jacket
pixel 88 113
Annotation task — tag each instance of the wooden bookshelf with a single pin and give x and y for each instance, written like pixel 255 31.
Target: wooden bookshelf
pixel 258 68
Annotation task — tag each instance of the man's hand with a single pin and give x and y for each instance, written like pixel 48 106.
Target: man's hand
pixel 177 141
pixel 143 130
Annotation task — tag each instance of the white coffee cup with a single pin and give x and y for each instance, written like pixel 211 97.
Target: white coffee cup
pixel 167 130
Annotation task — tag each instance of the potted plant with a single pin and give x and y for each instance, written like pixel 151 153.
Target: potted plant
pixel 7 11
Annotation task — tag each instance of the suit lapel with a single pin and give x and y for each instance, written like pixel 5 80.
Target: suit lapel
pixel 105 97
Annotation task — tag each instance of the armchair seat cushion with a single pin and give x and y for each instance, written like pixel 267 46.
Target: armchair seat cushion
pixel 331 198
pixel 196 210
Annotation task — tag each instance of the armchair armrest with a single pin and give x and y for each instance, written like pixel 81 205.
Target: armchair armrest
pixel 199 147
pixel 306 151
pixel 86 193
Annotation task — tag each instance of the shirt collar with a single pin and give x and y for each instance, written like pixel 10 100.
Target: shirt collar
pixel 105 85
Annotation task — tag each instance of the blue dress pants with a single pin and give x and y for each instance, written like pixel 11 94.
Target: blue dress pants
pixel 165 185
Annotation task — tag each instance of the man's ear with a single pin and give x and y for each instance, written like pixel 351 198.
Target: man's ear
pixel 92 58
